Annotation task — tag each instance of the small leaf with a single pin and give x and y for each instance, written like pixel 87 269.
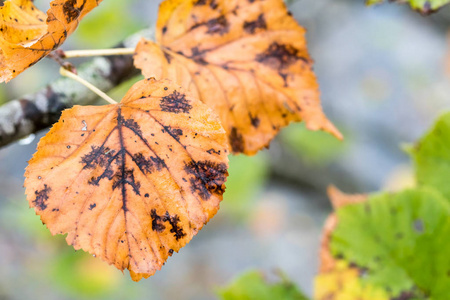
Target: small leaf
pixel 344 282
pixel 396 242
pixel 27 34
pixel 431 157
pixel 252 285
pixel 132 182
pixel 425 7
pixel 247 60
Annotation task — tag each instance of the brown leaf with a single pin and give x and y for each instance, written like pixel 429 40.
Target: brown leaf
pixel 27 34
pixel 247 59
pixel 132 182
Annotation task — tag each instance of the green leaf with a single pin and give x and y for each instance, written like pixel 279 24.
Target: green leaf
pixel 400 240
pixel 431 157
pixel 423 6
pixel 253 286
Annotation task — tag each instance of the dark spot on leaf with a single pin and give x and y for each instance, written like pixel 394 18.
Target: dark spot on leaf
pixel 407 295
pixel 92 206
pixel 146 195
pixel 71 12
pixel 122 178
pixel 218 25
pixel 426 10
pixel 41 198
pixel 176 229
pixel 211 151
pixel 253 26
pixel 285 78
pixel 99 156
pixel 418 226
pixel 158 223
pixel 130 124
pixel 175 103
pixel 236 141
pixel 148 165
pixel 255 121
pixel 208 178
pixel 174 132
pixel 199 57
pixel 168 57
pixel 279 57
pixel 213 4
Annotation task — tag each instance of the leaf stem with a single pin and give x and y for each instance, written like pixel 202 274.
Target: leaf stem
pixel 98 52
pixel 75 77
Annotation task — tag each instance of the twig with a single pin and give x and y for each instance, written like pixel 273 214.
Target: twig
pixel 64 72
pixel 99 52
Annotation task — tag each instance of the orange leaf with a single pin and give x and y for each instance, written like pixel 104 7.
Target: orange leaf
pixel 132 182
pixel 247 59
pixel 25 36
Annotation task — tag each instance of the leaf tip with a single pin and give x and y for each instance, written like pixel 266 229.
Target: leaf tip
pixel 339 199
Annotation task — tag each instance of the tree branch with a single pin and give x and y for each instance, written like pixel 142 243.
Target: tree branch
pixel 22 117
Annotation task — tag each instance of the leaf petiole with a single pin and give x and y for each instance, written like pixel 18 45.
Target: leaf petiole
pixel 71 75
pixel 98 52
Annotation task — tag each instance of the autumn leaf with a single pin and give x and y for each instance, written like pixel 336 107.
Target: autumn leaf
pixel 134 182
pixel 425 7
pixel 392 246
pixel 27 34
pixel 246 59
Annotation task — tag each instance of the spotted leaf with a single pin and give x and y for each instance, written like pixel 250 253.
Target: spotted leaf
pixel 131 183
pixel 27 34
pixel 247 59
pixel 390 246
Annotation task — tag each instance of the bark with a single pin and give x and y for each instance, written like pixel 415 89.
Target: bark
pixel 22 117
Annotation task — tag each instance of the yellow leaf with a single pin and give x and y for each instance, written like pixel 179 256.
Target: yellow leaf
pixel 246 59
pixel 131 182
pixel 343 283
pixel 27 34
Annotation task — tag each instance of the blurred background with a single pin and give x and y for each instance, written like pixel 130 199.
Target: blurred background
pixel 384 76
